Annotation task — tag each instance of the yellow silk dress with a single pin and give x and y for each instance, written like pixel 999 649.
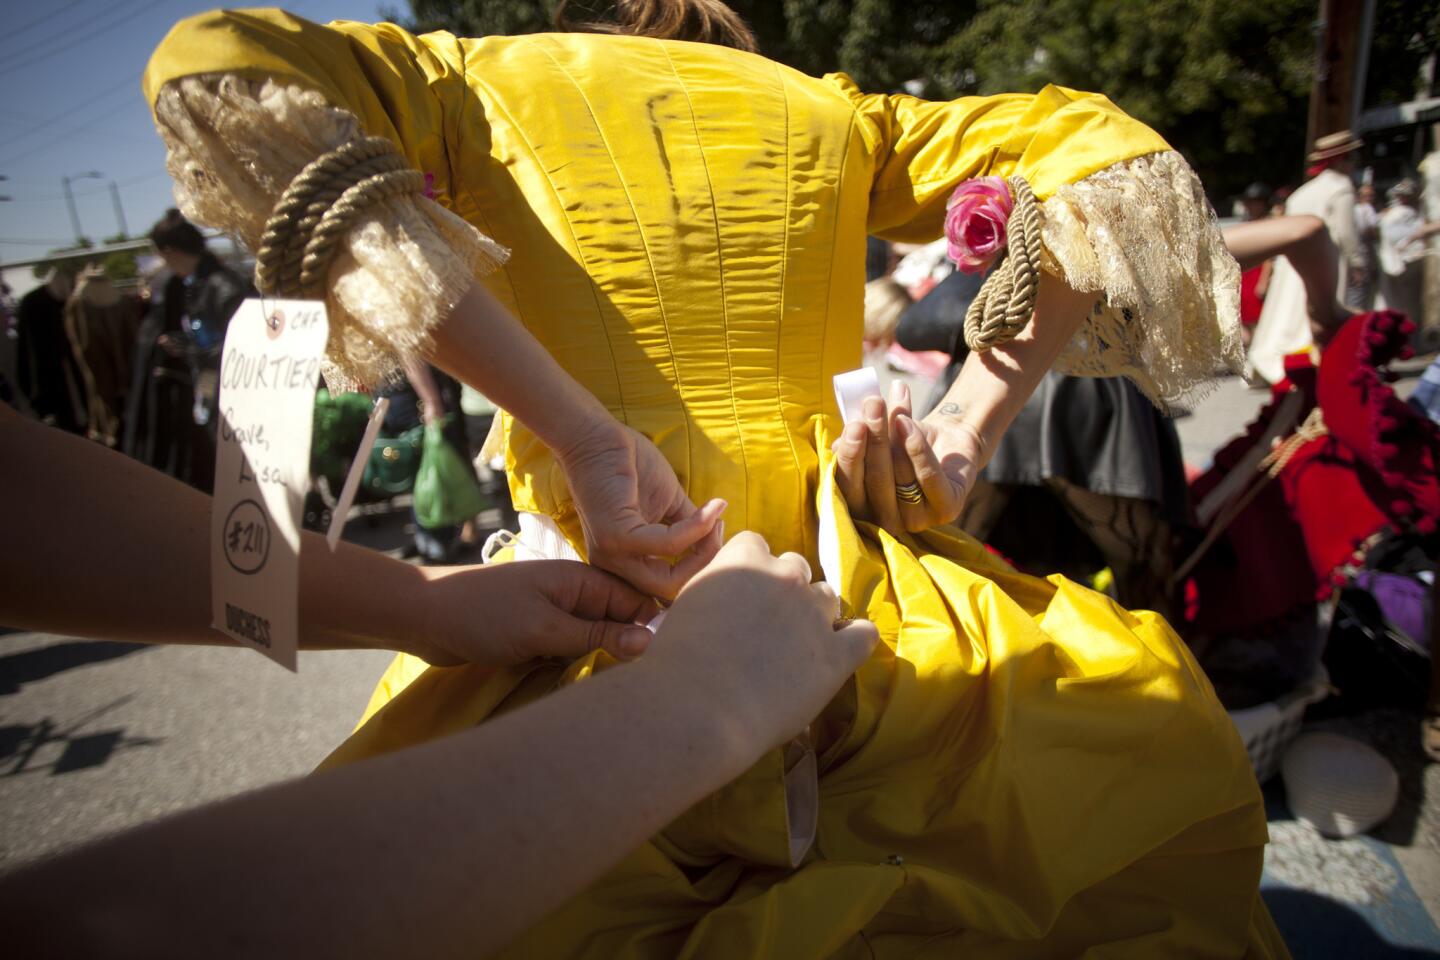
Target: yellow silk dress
pixel 1022 769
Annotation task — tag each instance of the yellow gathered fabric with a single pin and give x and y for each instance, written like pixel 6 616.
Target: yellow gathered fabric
pixel 1022 767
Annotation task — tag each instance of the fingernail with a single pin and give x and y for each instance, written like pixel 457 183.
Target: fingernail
pixel 633 642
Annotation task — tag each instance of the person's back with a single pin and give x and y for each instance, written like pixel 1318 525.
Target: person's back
pixel 642 268
pixel 686 221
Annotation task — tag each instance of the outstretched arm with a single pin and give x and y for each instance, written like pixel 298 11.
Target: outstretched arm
pixel 139 542
pixel 1305 242
pixel 503 823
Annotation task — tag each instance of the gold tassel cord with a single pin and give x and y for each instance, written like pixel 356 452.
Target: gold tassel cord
pixel 321 204
pixel 1007 299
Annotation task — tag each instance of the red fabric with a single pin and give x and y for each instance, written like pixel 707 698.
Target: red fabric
pixel 1400 447
pixel 1375 470
pixel 1324 493
pixel 1255 572
pixel 1250 304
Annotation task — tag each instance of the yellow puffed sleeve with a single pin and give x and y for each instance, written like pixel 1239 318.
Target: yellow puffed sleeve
pixel 387 78
pixel 1124 216
pixel 244 100
pixel 923 150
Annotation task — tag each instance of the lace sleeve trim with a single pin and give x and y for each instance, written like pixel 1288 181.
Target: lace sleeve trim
pixel 1142 233
pixel 233 145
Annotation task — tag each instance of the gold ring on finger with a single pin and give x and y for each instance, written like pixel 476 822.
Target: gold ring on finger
pixel 909 492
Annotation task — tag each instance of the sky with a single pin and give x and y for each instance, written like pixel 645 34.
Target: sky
pixel 70 104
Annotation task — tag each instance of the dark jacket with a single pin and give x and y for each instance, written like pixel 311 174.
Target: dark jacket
pixel 160 429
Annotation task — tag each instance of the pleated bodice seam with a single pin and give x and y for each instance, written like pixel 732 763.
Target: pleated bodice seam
pixel 649 255
pixel 724 300
pixel 806 538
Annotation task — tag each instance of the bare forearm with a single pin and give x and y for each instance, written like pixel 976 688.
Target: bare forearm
pixel 100 546
pixel 1305 242
pixel 497 833
pixel 994 385
pixel 422 381
pixel 481 344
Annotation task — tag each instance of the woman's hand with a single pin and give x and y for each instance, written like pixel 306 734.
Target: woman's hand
pixel 753 636
pixel 512 612
pixel 635 513
pixel 888 452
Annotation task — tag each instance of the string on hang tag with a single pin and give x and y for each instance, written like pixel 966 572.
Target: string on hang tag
pixel 356 472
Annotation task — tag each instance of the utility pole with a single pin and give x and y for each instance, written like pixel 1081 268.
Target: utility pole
pixel 70 199
pixel 119 211
pixel 1338 35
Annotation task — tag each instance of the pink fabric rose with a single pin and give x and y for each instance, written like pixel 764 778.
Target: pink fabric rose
pixel 975 221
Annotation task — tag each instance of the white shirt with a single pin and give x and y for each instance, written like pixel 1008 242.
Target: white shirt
pixel 1284 325
pixel 1398 225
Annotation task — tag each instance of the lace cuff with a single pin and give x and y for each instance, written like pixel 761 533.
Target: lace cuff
pixel 233 145
pixel 1142 233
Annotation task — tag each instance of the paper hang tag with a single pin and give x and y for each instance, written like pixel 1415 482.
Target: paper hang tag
pixel 269 371
pixel 852 388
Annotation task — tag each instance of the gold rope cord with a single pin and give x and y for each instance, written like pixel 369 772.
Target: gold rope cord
pixel 322 203
pixel 1312 429
pixel 1007 299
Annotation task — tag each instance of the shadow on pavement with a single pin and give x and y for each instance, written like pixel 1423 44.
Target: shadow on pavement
pixel 21 744
pixel 18 669
pixel 1317 928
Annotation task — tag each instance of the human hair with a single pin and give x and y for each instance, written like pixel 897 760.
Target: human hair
pixel 702 21
pixel 174 232
pixel 885 300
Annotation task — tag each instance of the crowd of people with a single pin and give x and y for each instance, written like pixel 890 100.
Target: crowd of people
pixel 133 369
pixel 657 737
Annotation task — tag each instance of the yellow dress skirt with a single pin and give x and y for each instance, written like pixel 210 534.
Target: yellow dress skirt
pixel 1022 768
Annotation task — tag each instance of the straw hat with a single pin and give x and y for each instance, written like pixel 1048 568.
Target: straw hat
pixel 1335 144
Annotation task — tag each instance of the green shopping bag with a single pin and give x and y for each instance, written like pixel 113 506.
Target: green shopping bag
pixel 339 424
pixel 446 489
pixel 393 463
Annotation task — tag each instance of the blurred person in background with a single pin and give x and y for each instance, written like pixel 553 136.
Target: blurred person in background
pixel 1254 282
pixel 1285 324
pixel 425 396
pixel 170 422
pixel 46 373
pixel 1404 237
pixel 1360 293
pixel 101 324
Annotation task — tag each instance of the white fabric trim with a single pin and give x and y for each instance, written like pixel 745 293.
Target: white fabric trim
pixel 539 539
